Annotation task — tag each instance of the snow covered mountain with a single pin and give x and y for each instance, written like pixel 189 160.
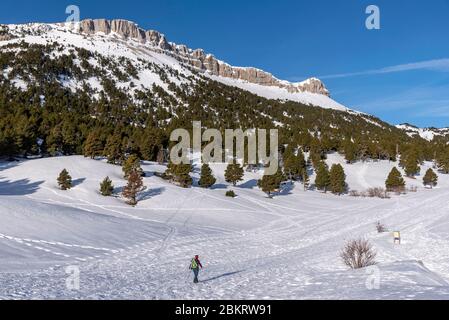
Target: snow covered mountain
pixel 428 134
pixel 108 89
pixel 120 39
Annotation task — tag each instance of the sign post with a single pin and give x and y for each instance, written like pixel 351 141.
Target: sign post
pixel 397 237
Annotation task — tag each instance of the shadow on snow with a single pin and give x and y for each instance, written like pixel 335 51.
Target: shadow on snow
pixel 18 187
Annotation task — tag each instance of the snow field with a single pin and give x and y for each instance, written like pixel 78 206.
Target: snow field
pixel 251 247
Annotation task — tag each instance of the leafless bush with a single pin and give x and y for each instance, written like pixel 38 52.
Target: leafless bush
pixel 380 227
pixel 377 193
pixel 398 190
pixel 358 254
pixel 413 189
pixel 370 193
pixel 354 193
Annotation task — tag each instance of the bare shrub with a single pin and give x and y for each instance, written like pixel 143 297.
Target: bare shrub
pixel 377 193
pixel 380 227
pixel 358 254
pixel 413 189
pixel 398 190
pixel 354 193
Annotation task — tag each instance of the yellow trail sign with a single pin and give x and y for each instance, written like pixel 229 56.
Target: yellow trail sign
pixel 397 237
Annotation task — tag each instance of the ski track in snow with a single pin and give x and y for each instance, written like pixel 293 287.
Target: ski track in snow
pixel 280 248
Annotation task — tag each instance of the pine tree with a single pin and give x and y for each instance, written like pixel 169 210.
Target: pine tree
pixel 430 178
pixel 305 178
pixel 234 173
pixel 113 149
pixel 322 180
pixel 350 152
pixel 302 164
pixel 160 155
pixel 337 179
pixel 93 147
pixel 293 164
pixel 290 166
pixel 134 186
pixel 394 181
pixel 443 161
pixel 279 176
pixel 207 180
pixel 410 163
pixel 180 174
pixel 268 184
pixel 106 187
pixel 65 180
pixel 132 163
pixel 315 157
pixel 271 183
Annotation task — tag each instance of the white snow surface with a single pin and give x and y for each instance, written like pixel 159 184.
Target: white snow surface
pixel 426 133
pixel 251 247
pixel 113 46
pixel 273 92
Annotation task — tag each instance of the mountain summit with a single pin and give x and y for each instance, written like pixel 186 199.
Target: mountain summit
pixel 121 40
pixel 196 58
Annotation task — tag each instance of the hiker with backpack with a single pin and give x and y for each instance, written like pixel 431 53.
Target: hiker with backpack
pixel 195 265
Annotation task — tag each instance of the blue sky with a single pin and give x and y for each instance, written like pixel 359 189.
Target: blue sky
pixel 399 73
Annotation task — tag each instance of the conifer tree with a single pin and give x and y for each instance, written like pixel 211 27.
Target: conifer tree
pixel 322 180
pixel 293 164
pixel 180 174
pixel 113 149
pixel 410 164
pixel 315 157
pixel 443 161
pixel 305 178
pixel 290 166
pixel 337 179
pixel 134 186
pixel 394 181
pixel 106 187
pixel 234 173
pixel 132 163
pixel 271 183
pixel 65 180
pixel 350 152
pixel 93 146
pixel 160 155
pixel 207 179
pixel 302 164
pixel 430 178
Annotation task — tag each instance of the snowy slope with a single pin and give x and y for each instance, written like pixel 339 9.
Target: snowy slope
pixel 308 98
pixel 112 45
pixel 252 247
pixel 426 133
pixel 107 46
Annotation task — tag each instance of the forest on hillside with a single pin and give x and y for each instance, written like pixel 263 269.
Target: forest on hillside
pixel 46 118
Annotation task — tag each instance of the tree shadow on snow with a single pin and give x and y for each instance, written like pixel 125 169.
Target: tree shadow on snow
pixel 286 189
pixel 7 163
pixel 118 190
pixel 250 184
pixel 148 174
pixel 219 186
pixel 221 276
pixel 77 182
pixel 147 194
pixel 19 187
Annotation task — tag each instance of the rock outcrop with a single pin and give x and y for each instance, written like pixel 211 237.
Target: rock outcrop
pixel 196 58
